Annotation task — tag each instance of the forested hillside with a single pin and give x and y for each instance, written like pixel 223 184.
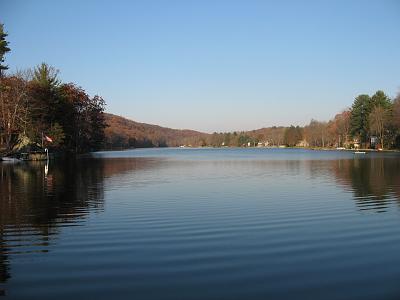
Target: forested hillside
pixel 124 133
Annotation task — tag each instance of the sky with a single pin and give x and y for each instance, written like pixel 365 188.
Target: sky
pixel 213 65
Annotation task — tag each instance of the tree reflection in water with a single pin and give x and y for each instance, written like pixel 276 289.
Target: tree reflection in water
pixel 375 182
pixel 37 200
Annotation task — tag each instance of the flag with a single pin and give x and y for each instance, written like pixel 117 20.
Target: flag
pixel 48 139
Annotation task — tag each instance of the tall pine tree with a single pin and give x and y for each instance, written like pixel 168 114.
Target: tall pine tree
pixel 359 117
pixel 3 49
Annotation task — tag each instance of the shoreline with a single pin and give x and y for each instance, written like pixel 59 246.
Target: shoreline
pixel 237 147
pixel 53 156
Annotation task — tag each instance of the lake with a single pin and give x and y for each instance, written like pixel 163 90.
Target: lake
pixel 202 224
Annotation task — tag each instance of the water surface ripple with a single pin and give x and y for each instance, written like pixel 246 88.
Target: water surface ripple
pixel 202 224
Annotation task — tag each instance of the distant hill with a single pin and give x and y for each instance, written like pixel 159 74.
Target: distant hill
pixel 125 133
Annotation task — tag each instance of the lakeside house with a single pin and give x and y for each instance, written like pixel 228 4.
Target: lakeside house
pixel 303 143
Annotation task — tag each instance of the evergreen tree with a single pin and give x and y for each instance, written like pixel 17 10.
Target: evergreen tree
pixel 3 49
pixel 361 109
pixel 380 99
pixel 48 105
pixel 46 75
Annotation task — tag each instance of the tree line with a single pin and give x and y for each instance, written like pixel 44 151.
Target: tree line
pixel 371 122
pixel 37 110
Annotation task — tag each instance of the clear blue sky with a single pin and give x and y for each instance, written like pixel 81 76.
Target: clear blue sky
pixel 213 65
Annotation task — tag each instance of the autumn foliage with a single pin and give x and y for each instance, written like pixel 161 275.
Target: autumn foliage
pixel 37 104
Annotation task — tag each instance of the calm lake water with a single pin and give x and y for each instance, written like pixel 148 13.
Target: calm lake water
pixel 202 224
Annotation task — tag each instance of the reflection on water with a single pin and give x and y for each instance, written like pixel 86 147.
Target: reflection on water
pixel 199 199
pixel 37 199
pixel 375 183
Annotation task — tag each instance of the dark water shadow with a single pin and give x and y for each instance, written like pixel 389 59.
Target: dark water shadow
pixel 375 183
pixel 38 199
